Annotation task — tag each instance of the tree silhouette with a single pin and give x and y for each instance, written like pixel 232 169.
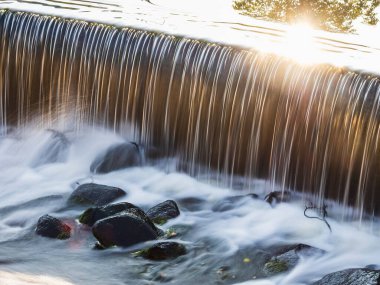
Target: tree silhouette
pixel 331 15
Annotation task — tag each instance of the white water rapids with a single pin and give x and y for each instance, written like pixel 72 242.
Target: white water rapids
pixel 212 237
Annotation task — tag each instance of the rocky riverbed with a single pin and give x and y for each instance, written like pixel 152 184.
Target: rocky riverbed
pixel 91 207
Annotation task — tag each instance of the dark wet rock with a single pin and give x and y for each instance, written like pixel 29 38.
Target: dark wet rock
pixel 277 197
pixel 192 203
pixel 96 194
pixel 351 277
pixel 124 229
pixel 94 214
pixel 117 157
pixel 163 212
pixel 164 250
pixel 51 227
pixel 232 202
pixel 55 150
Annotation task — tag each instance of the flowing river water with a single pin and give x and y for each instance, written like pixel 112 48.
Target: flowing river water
pixel 312 127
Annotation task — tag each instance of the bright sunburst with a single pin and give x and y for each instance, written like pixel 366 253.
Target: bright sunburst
pixel 300 44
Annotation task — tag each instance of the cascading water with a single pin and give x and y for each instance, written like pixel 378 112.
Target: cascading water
pixel 224 114
pixel 313 129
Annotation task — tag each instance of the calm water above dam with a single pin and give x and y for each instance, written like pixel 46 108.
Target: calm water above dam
pixel 264 107
pixel 217 21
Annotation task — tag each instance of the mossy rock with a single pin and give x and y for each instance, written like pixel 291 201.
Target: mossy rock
pixel 275 266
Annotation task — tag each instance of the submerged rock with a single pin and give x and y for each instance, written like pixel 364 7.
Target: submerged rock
pixel 351 277
pixel 55 150
pixel 96 194
pixel 192 203
pixel 292 256
pixel 232 202
pixel 288 257
pixel 124 229
pixel 92 215
pixel 51 227
pixel 164 250
pixel 117 157
pixel 163 212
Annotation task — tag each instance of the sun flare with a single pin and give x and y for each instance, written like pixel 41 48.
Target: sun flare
pixel 300 44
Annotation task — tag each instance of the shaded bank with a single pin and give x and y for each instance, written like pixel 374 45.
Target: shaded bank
pixel 310 128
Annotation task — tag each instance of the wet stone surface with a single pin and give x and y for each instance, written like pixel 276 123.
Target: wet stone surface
pixel 163 212
pixel 164 251
pixel 95 194
pixel 92 215
pixel 125 229
pixel 351 277
pixel 117 157
pixel 48 226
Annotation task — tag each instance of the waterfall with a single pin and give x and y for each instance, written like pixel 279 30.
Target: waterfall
pixel 314 129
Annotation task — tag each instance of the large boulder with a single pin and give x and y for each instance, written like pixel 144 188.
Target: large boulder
pixel 164 250
pixel 94 214
pixel 95 194
pixel 117 157
pixel 361 276
pixel 51 227
pixel 124 229
pixel 163 212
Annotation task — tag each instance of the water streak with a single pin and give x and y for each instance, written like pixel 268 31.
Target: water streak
pixel 310 128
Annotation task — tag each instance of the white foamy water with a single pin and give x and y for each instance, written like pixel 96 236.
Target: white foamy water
pixel 213 238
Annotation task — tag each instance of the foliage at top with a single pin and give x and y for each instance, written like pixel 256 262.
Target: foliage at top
pixel 331 15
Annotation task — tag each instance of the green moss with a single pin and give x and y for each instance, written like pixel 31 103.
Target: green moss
pixel 170 233
pixel 159 221
pixel 63 235
pixel 275 266
pixel 86 216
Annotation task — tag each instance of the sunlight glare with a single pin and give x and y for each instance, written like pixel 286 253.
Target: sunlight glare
pixel 300 45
